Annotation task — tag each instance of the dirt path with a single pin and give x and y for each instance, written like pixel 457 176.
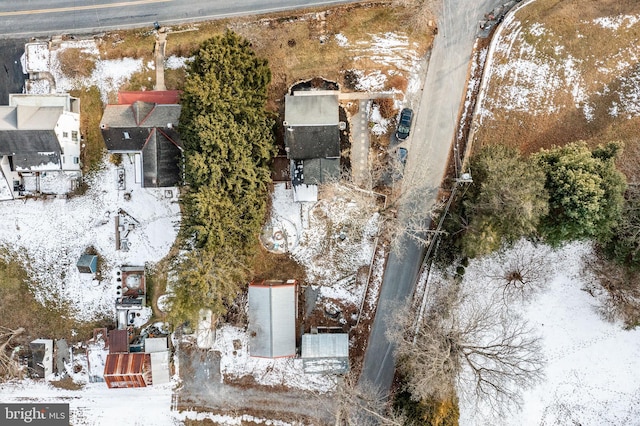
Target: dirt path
pixel 203 391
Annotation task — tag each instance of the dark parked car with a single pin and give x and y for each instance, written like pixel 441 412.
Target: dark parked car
pixel 404 125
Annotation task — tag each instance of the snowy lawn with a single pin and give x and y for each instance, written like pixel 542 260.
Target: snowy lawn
pixel 593 369
pixel 49 235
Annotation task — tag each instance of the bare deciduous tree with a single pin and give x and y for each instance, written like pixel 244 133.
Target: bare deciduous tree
pixel 360 404
pixel 521 271
pixel 467 344
pixel 9 366
pixel 616 286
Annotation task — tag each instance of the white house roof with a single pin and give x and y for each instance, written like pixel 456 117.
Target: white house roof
pixel 311 108
pixel 272 319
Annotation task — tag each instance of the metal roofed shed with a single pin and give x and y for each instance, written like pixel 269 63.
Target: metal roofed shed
pixel 128 370
pixel 272 318
pixel 87 264
pixel 118 341
pixel 325 353
pixel 155 344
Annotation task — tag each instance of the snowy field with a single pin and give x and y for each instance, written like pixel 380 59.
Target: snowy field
pixel 592 367
pixel 592 371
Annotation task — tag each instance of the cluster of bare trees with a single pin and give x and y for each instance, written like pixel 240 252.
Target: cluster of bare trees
pixel 468 344
pixel 616 286
pixel 360 404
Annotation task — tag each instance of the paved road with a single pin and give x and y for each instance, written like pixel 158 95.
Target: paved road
pixel 46 17
pixel 429 148
pixel 11 77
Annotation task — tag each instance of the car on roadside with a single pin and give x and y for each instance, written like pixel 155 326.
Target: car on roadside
pixel 402 156
pixel 404 124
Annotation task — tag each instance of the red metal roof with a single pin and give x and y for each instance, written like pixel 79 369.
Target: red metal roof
pixel 162 97
pixel 128 370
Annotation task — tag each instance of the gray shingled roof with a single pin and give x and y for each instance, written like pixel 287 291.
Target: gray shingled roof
pixel 149 129
pixel 320 170
pixel 306 142
pixel 160 161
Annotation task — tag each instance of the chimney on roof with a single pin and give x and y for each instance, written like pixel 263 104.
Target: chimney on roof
pixel 169 125
pixel 103 126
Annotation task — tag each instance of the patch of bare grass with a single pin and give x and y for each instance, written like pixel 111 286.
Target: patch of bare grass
pixel 272 266
pixel 19 308
pixel 67 383
pixel 566 73
pixel 127 44
pixel 91 108
pixel 76 63
pixel 143 80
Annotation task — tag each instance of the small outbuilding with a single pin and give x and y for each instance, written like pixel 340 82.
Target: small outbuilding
pixel 42 357
pixel 325 353
pixel 273 310
pixel 118 341
pixel 132 370
pixel 87 264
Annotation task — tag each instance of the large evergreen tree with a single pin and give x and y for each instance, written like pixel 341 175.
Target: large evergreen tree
pixel 505 202
pixel 586 192
pixel 228 142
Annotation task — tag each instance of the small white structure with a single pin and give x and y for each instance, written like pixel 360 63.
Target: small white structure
pixel 159 350
pixel 42 357
pixel 325 353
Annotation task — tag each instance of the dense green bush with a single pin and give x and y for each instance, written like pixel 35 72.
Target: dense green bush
pixel 228 142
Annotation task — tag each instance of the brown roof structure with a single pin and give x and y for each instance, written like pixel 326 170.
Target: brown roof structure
pixel 151 96
pixel 131 370
pixel 118 341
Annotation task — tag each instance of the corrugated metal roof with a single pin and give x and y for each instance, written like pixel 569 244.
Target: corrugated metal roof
pixel 325 345
pixel 128 370
pixel 118 341
pixel 272 319
pixel 325 353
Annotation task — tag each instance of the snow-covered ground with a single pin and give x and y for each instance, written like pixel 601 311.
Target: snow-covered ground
pixel 48 237
pixel 394 53
pixel 535 71
pixel 331 266
pixel 592 371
